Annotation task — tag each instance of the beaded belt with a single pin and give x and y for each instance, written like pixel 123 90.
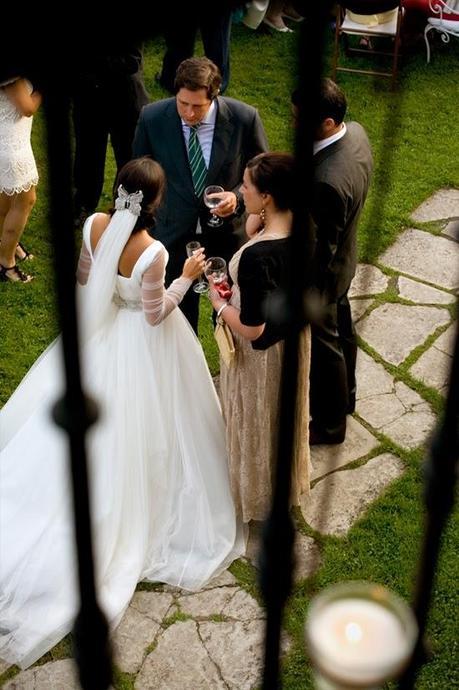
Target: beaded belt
pixel 131 304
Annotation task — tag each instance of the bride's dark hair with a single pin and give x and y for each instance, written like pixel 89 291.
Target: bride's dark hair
pixel 145 175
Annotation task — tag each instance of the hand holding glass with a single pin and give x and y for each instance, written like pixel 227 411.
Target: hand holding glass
pixel 201 286
pixel 216 271
pixel 212 200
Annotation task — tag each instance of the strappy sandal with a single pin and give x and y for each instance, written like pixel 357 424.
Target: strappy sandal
pixel 27 255
pixel 14 274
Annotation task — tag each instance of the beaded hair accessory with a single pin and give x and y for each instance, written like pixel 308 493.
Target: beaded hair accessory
pixel 130 201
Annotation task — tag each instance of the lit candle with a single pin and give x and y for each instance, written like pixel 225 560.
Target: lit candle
pixel 359 635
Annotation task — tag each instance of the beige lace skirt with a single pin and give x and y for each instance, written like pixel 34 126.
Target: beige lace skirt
pixel 250 391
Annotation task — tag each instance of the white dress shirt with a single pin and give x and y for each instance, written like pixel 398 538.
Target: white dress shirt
pixel 323 143
pixel 205 132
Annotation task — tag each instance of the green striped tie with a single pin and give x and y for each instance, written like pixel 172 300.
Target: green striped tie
pixel 197 162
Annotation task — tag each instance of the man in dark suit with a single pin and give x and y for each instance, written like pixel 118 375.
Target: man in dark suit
pixel 342 169
pixel 229 133
pixel 108 95
pixel 213 21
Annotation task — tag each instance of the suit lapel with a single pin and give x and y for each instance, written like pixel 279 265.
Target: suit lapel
pixel 221 143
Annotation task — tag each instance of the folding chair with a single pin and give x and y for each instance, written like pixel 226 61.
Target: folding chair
pixel 391 29
pixel 444 19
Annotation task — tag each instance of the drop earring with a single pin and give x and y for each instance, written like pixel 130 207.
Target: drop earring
pixel 262 215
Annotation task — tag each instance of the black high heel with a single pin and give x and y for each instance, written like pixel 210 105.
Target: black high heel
pixel 27 255
pixel 13 274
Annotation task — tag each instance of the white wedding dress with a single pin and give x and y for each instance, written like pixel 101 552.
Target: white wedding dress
pixel 160 495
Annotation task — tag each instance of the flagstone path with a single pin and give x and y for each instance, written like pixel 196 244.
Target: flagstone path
pixel 174 640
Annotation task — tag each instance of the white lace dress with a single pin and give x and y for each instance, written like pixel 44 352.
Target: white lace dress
pixel 18 171
pixel 160 495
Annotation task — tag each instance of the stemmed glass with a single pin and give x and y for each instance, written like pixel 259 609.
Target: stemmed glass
pixel 200 286
pixel 212 202
pixel 216 269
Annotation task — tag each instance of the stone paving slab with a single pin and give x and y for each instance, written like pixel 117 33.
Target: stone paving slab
pixel 412 430
pixel 138 628
pixel 394 330
pixel 389 406
pixel 432 368
pixel 443 204
pixel 368 280
pixel 358 443
pixel 55 675
pixel 422 294
pixel 205 604
pixel 430 258
pixel 452 230
pixel 223 580
pixel 359 307
pixel 237 650
pixel 434 365
pixel 306 553
pixel 414 423
pixel 243 607
pixel 445 343
pixel 372 378
pixel 336 502
pixel 179 661
pixel 4 666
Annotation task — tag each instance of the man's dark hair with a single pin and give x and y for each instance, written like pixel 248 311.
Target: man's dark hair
pixel 332 102
pixel 198 73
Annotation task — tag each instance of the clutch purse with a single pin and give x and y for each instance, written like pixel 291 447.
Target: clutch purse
pixel 225 342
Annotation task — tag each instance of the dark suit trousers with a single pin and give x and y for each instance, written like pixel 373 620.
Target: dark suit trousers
pixel 99 111
pixel 180 34
pixel 332 378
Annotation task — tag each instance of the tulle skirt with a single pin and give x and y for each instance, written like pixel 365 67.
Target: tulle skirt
pixel 161 504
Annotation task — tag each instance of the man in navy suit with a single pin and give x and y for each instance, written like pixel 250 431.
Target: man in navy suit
pixel 230 133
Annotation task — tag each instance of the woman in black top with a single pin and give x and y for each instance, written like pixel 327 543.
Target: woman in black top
pixel 250 386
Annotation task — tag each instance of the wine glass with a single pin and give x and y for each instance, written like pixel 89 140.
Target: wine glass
pixel 216 269
pixel 200 286
pixel 212 202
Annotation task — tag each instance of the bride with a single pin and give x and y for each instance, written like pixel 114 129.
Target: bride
pixel 161 504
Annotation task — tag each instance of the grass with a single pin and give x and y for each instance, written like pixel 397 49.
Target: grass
pixel 416 151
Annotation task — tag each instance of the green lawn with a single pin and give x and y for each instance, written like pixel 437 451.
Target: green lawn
pixel 416 148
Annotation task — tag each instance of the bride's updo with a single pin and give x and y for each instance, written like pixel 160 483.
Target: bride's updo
pixel 145 175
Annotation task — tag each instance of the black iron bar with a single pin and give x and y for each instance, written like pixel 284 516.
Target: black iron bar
pixel 441 471
pixel 278 535
pixel 73 412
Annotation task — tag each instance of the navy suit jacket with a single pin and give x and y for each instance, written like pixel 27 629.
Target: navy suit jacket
pixel 238 136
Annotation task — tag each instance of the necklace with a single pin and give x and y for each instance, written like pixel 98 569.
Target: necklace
pixel 273 235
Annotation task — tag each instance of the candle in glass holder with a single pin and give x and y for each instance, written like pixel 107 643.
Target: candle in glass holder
pixel 359 635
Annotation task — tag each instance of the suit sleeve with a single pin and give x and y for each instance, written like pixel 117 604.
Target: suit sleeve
pixel 329 215
pixel 141 145
pixel 259 139
pixel 257 142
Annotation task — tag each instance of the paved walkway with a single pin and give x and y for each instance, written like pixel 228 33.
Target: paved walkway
pixel 171 640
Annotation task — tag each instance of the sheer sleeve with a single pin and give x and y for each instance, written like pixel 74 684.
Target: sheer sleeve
pixel 158 302
pixel 84 265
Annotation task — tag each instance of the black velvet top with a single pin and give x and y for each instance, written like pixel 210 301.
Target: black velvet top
pixel 262 279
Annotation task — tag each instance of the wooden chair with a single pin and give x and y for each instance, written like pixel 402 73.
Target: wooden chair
pixel 345 26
